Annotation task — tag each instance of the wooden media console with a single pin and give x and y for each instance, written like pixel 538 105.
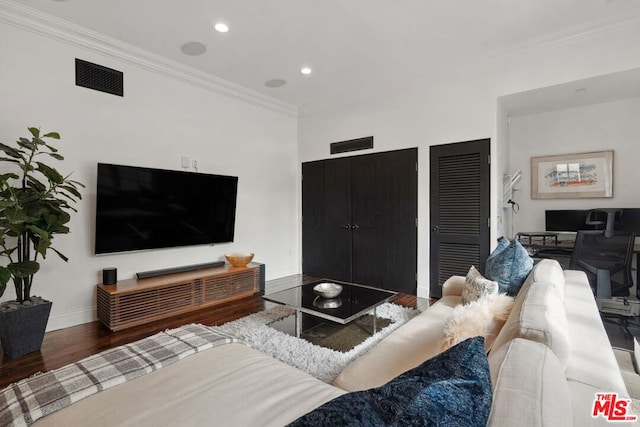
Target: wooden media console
pixel 137 301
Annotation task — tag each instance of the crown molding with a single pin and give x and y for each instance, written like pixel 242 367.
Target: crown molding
pixel 575 35
pixel 37 22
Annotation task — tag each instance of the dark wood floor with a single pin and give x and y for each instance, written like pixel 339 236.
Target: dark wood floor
pixel 72 344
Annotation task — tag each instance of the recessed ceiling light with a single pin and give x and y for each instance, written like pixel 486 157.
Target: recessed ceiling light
pixel 275 83
pixel 581 89
pixel 305 70
pixel 221 27
pixel 193 48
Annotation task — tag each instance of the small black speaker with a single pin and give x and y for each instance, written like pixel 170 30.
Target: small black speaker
pixel 109 276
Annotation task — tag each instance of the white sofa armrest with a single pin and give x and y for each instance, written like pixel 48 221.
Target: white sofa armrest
pixel 453 286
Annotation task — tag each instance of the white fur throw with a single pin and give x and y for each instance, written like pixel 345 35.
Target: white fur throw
pixel 476 286
pixel 484 317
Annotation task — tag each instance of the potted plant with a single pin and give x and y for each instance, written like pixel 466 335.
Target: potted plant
pixel 35 200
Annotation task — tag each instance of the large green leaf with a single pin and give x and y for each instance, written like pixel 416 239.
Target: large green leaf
pixel 7 176
pixel 60 254
pixel 54 135
pixel 71 190
pixel 5 275
pixel 24 268
pixel 11 152
pixel 29 145
pixel 51 174
pixel 51 148
pixel 26 167
pixel 43 234
pixel 35 132
pixel 36 184
pixel 15 215
pixel 56 156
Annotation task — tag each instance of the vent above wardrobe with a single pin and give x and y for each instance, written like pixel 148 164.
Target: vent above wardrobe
pixel 352 145
pixel 98 77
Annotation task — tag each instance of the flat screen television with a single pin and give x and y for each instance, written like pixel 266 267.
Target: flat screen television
pixel 143 208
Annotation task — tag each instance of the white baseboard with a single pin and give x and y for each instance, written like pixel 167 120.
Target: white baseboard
pixel 71 319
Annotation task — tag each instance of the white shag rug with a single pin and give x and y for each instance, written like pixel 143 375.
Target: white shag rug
pixel 322 363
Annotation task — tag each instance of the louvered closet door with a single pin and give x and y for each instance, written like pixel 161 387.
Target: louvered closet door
pixel 459 210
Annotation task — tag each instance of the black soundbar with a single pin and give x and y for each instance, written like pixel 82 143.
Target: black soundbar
pixel 165 271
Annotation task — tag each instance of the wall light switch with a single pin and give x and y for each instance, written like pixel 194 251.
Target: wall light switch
pixel 185 162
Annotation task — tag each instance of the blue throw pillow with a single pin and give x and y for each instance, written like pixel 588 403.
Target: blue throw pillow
pixel 451 389
pixel 509 265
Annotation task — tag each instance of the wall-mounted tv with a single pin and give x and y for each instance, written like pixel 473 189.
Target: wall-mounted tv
pixel 143 208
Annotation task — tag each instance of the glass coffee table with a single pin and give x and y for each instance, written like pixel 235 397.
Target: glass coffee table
pixel 353 302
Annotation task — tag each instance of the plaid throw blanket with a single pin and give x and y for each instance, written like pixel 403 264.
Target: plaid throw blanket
pixel 22 403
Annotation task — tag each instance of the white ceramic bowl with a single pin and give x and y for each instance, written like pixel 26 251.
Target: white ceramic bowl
pixel 327 289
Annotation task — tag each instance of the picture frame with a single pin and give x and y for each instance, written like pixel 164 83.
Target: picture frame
pixel 572 176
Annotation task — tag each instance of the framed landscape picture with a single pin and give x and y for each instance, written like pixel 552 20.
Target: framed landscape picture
pixel 572 176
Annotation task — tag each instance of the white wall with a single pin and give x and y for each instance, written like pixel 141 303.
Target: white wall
pixel 608 126
pixel 158 120
pixel 463 106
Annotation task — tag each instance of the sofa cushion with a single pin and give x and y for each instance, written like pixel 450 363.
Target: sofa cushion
pixel 548 270
pixel 592 360
pixel 509 265
pixel 529 387
pixel 453 388
pixel 484 317
pixel 453 286
pixel 539 315
pixel 476 286
pixel 419 340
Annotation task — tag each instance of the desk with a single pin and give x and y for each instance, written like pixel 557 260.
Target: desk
pixel 538 235
pixel 564 248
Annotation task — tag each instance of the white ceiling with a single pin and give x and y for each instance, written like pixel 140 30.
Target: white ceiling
pixel 578 93
pixel 355 47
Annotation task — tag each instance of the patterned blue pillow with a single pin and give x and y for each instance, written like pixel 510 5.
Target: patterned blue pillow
pixel 451 389
pixel 509 265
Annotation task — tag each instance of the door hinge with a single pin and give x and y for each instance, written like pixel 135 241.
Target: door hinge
pixel 416 166
pixel 488 159
pixel 489 222
pixel 416 222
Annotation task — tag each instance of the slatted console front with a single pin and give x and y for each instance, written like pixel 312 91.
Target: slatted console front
pixel 137 301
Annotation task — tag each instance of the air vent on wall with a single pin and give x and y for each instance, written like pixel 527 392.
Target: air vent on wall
pixel 98 77
pixel 352 145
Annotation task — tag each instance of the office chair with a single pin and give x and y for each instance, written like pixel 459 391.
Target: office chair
pixel 606 258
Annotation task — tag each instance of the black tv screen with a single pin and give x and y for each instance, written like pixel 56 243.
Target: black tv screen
pixel 144 208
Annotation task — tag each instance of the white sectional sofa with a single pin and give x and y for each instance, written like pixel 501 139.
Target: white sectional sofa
pixel 547 362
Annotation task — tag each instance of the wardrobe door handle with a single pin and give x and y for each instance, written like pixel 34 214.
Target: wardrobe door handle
pixel 345 226
pixel 355 226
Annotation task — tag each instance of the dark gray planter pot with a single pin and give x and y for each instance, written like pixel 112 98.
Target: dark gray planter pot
pixel 22 330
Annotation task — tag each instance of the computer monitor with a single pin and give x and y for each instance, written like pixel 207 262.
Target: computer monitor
pixel 572 220
pixel 567 220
